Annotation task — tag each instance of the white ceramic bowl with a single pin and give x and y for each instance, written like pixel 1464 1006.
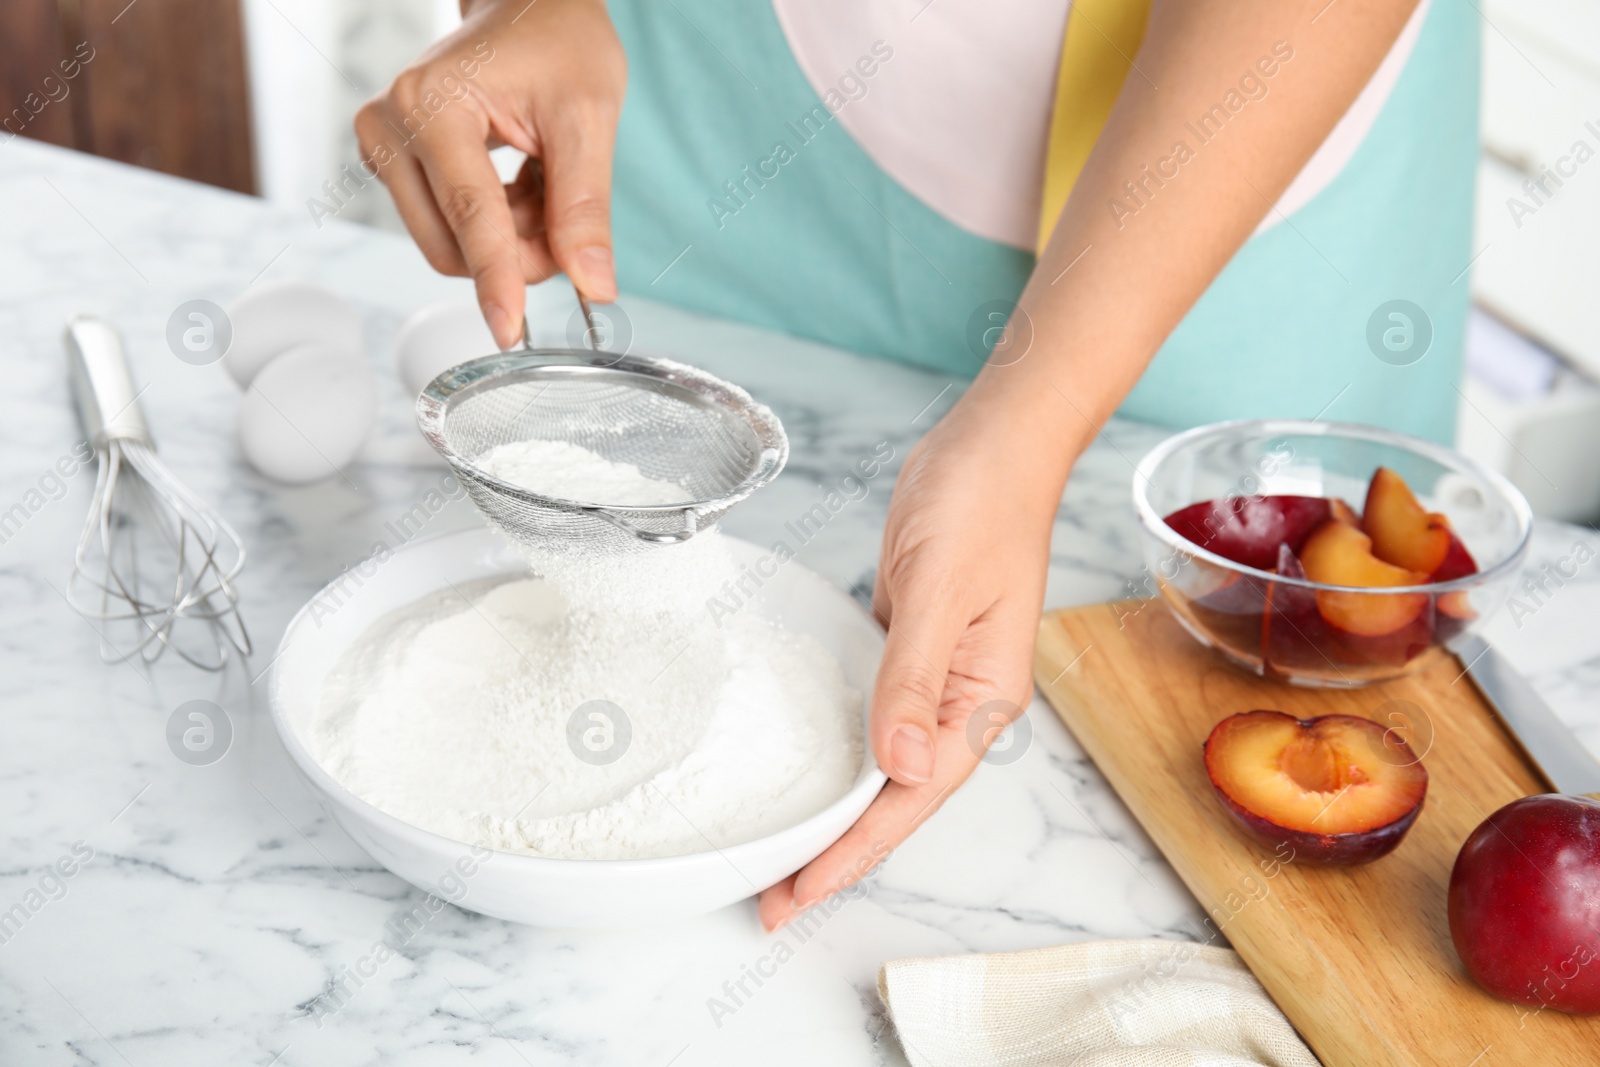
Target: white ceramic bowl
pixel 531 889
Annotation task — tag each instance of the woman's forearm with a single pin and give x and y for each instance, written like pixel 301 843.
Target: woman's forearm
pixel 1168 196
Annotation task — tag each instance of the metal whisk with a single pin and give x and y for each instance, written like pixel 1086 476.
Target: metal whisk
pixel 152 554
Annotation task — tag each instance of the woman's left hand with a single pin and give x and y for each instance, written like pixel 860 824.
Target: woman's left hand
pixel 960 587
pixel 961 580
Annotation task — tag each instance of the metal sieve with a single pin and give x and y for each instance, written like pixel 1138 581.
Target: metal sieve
pixel 672 421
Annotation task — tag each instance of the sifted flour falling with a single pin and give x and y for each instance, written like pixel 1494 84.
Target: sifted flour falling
pixel 594 712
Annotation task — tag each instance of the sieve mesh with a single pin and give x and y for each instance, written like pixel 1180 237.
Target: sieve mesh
pixel 672 421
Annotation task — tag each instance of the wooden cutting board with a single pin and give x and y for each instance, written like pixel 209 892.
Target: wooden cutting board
pixel 1358 958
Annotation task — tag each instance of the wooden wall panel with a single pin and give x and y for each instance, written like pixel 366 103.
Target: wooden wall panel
pixel 35 99
pixel 158 83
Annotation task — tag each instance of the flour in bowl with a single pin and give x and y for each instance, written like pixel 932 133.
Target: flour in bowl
pixel 584 715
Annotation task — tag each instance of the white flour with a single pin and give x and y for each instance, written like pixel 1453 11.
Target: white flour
pixel 673 580
pixel 474 720
pixel 567 471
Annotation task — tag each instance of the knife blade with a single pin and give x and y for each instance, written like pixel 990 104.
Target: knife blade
pixel 1548 742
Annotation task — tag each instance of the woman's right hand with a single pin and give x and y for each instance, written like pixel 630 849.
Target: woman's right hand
pixel 545 77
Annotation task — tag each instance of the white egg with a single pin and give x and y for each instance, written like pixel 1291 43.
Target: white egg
pixel 437 338
pixel 272 317
pixel 307 413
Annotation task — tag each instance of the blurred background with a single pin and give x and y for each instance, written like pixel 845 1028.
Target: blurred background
pixel 258 95
pixel 252 95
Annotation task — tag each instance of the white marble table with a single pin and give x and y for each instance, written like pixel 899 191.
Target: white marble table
pixel 220 901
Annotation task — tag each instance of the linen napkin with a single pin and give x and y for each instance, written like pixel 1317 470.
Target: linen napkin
pixel 1144 1003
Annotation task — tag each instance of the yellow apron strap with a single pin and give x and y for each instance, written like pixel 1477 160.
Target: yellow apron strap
pixel 1102 38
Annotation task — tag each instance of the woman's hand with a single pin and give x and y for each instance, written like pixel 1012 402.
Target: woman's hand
pixel 962 575
pixel 960 587
pixel 546 78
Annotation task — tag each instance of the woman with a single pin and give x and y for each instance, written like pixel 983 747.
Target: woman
pixel 1232 193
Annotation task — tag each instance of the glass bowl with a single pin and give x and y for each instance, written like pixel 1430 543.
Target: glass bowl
pixel 1276 625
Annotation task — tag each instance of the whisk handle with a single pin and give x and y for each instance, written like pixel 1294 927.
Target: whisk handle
pixel 102 383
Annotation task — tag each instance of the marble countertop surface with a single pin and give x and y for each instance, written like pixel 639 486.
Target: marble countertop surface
pixel 217 903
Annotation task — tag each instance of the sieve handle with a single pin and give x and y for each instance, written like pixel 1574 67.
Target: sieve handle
pixel 691 522
pixel 102 384
pixel 589 333
pixel 589 329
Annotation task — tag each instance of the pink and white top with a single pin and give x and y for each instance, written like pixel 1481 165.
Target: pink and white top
pixel 961 115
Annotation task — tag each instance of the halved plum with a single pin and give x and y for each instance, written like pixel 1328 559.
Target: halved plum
pixel 1338 789
pixel 1248 530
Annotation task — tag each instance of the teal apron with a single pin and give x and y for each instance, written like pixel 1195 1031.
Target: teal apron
pixel 738 194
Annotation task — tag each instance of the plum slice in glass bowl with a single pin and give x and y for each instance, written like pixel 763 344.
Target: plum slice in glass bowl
pixel 1325 554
